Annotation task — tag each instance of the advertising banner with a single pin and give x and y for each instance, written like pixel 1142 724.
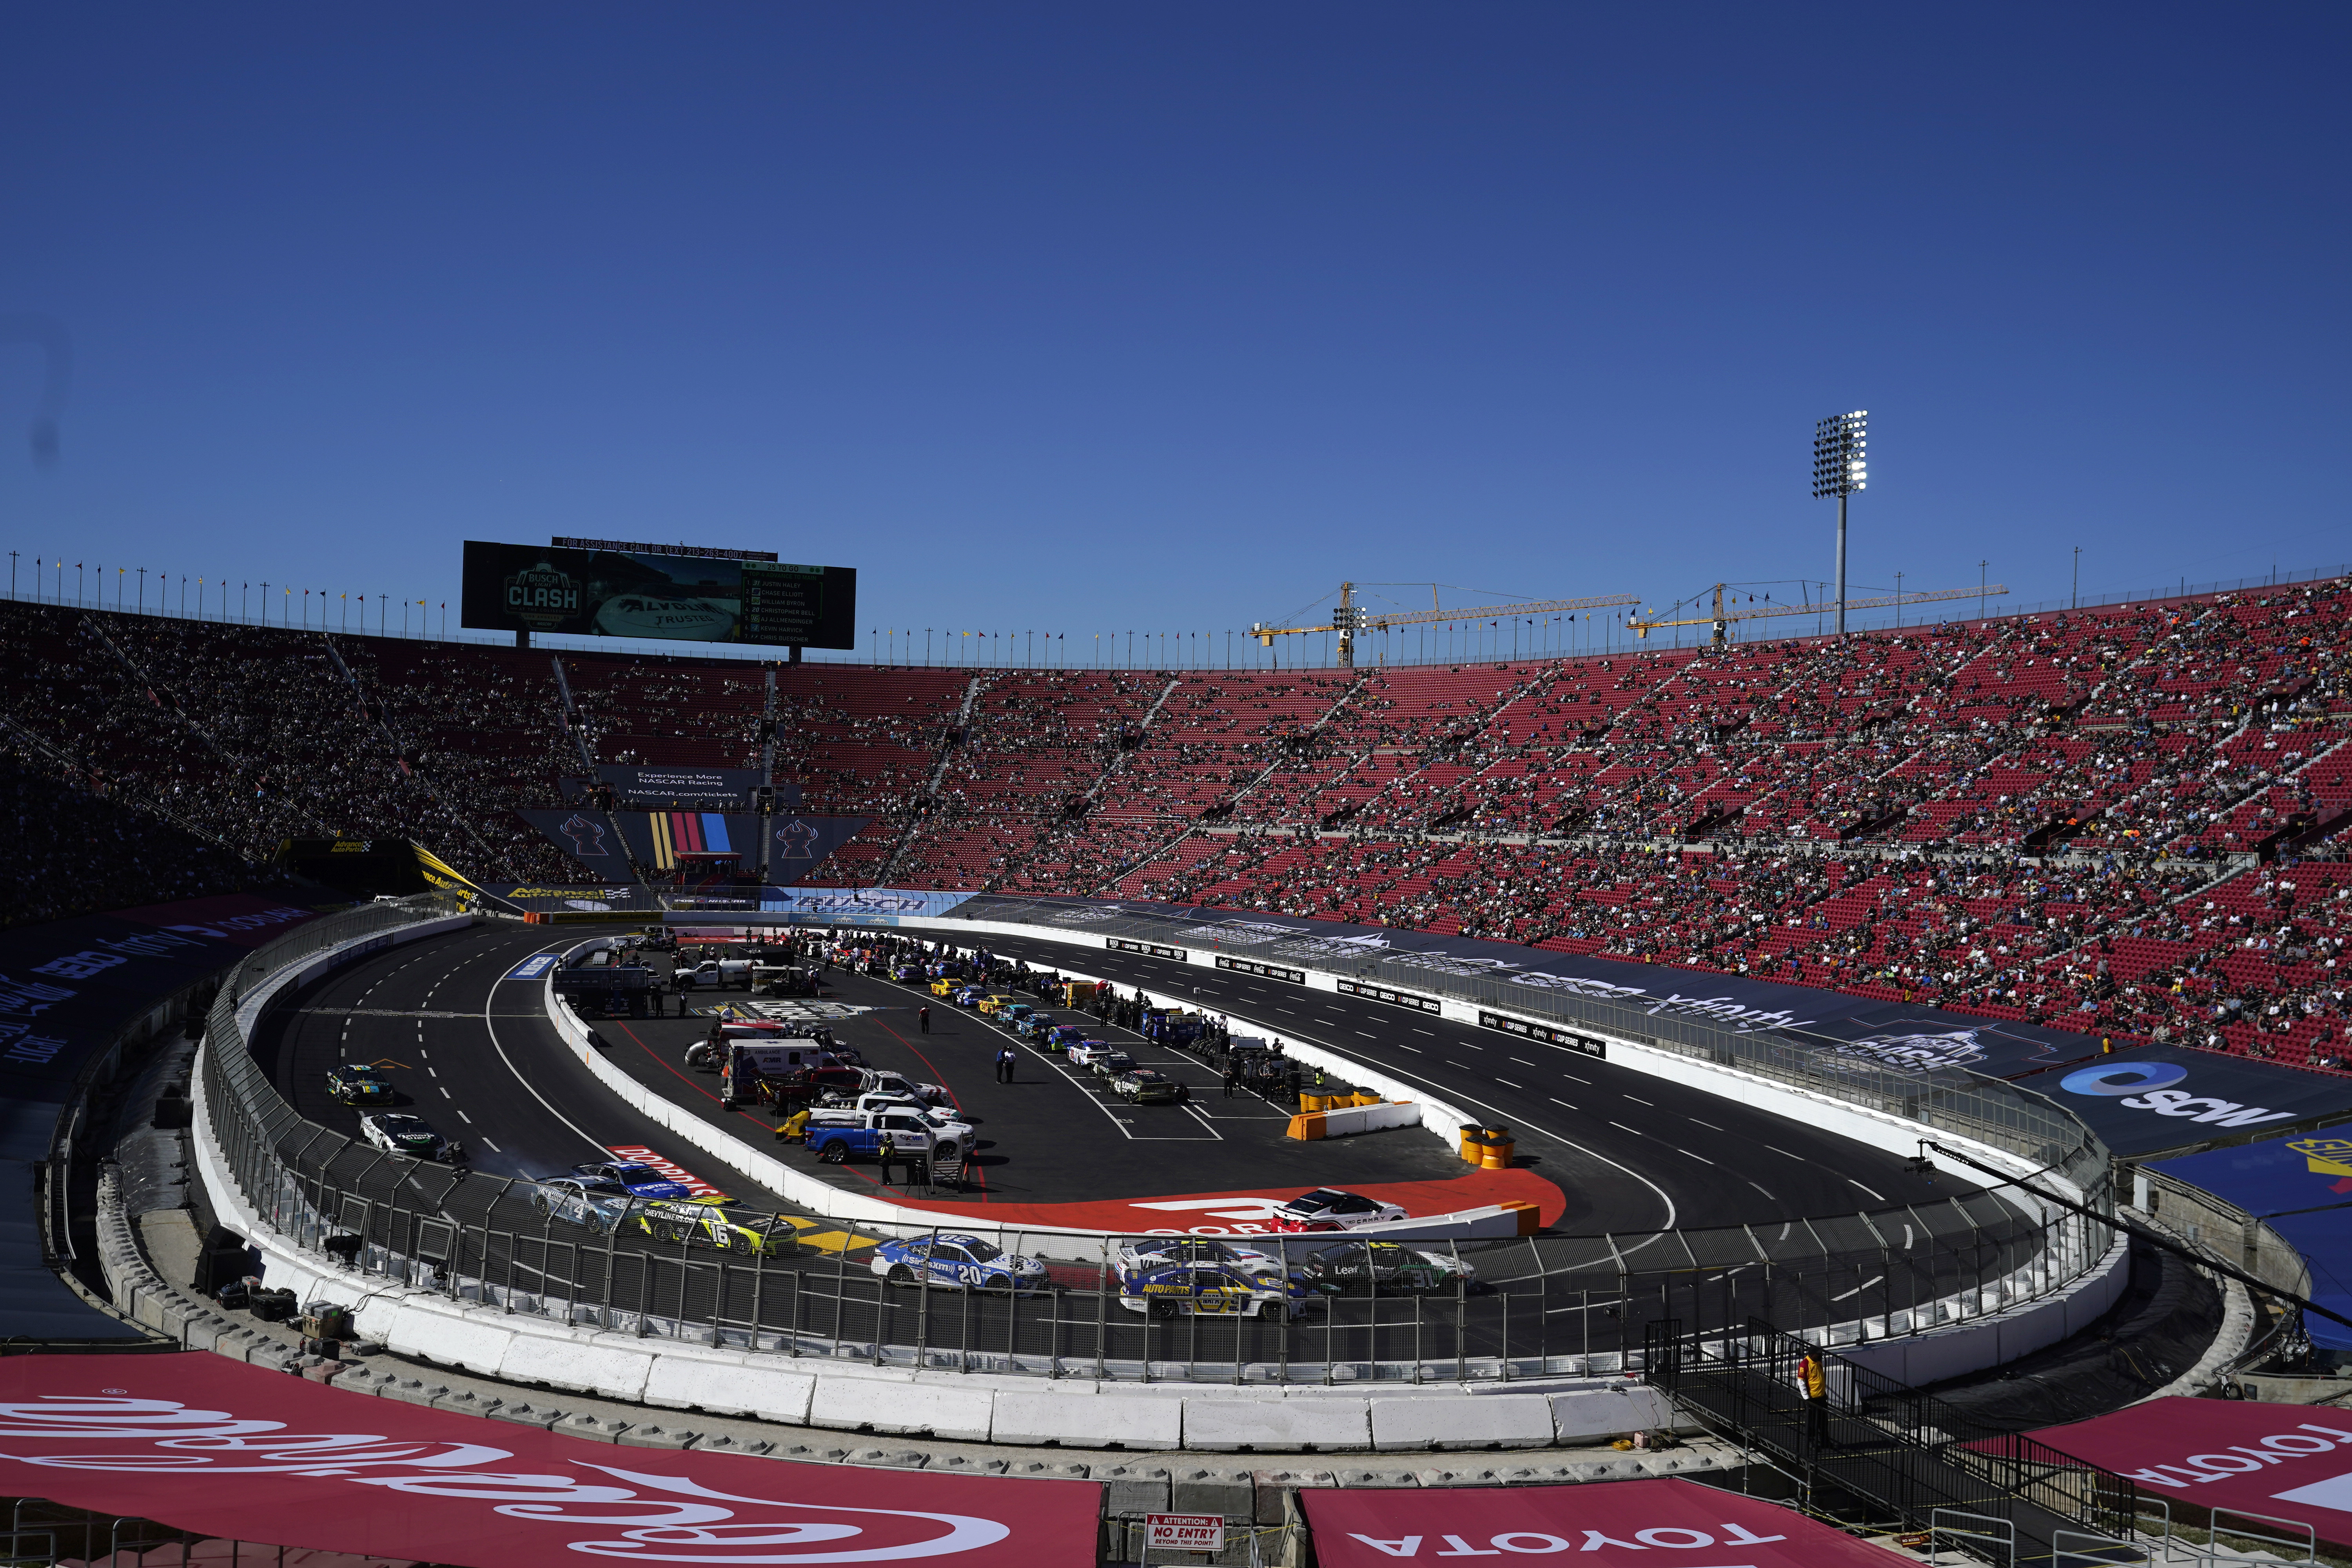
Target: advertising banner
pixel 2303 1186
pixel 1601 1524
pixel 680 788
pixel 67 988
pixel 2289 1461
pixel 212 1446
pixel 2141 1101
pixel 666 598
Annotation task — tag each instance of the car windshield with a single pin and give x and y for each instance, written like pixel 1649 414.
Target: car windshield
pixel 603 1189
pixel 1321 1198
pixel 981 1252
pixel 633 1173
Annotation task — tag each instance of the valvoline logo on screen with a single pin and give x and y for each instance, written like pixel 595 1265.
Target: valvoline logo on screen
pixel 2148 1086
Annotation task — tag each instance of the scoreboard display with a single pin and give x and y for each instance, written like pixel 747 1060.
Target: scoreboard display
pixel 585 588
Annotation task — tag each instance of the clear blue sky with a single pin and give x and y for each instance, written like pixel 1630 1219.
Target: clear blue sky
pixel 1083 317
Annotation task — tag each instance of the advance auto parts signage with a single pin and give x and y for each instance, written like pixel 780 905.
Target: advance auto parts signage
pixel 205 1444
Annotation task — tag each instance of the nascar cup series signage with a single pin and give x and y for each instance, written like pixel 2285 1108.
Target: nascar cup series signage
pixel 205 1444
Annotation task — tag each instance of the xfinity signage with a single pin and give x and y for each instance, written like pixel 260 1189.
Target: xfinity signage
pixel 1564 1040
pixel 1266 971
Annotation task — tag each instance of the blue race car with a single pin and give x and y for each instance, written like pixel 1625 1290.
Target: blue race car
pixel 1187 1289
pixel 638 1180
pixel 964 1261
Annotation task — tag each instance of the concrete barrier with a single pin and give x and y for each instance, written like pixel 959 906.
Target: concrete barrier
pixel 1350 1120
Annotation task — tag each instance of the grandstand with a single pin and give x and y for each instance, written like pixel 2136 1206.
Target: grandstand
pixel 2128 820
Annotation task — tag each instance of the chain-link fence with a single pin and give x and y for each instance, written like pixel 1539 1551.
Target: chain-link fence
pixel 1323 1309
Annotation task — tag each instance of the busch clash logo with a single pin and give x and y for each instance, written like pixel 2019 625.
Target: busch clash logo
pixel 541 597
pixel 1905 1053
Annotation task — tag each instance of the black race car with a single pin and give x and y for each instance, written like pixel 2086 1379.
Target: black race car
pixel 357 1084
pixel 1367 1267
pixel 1147 1086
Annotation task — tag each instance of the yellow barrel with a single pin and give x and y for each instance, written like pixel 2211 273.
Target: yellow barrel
pixel 1473 1139
pixel 1496 1154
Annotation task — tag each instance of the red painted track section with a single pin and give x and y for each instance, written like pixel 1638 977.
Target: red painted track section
pixel 1243 1212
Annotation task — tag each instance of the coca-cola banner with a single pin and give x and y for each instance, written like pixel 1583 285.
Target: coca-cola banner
pixel 1601 1524
pixel 205 1444
pixel 2288 1461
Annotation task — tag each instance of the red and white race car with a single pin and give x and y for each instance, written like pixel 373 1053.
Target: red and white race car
pixel 1328 1208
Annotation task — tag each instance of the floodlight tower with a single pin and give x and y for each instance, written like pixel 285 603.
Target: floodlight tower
pixel 1839 469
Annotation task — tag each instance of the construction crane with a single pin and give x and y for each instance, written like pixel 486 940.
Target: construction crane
pixel 1722 619
pixel 1351 618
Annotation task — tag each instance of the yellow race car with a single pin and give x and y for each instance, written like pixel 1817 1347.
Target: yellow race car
pixel 995 999
pixel 667 1220
pixel 946 987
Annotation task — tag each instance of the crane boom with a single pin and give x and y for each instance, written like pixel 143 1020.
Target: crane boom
pixel 1352 618
pixel 1722 617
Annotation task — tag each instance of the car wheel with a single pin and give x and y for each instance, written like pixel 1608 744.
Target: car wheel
pixel 998 1283
pixel 945 1151
pixel 835 1153
pixel 901 1275
pixel 1163 1309
pixel 1276 1311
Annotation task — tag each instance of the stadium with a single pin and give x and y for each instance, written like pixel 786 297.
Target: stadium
pixel 1829 1060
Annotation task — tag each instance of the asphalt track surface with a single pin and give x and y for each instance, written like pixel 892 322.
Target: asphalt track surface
pixel 1055 1134
pixel 473 1053
pixel 1632 1152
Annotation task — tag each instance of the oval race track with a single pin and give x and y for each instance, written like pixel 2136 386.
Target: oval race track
pixel 473 1053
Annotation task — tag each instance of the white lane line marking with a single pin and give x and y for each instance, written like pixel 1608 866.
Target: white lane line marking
pixel 1561 1102
pixel 1418 1030
pixel 1700 1158
pixel 1506 1083
pixel 1861 1288
pixel 1621 1127
pixel 1783 1151
pixel 463 1118
pixel 488 997
pixel 1709 1125
pixel 1639 1101
pixel 492 1147
pixel 1872 1191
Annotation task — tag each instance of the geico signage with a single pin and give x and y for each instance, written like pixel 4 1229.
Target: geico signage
pixel 1390 995
pixel 2147 1086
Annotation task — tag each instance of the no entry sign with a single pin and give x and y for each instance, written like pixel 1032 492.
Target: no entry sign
pixel 1184 1531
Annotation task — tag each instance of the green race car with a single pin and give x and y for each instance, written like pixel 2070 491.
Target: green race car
pixel 359 1086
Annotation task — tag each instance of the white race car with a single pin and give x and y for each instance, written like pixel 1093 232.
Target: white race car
pixel 1328 1208
pixel 1167 1251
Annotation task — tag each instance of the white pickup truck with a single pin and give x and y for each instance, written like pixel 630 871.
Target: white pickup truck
pixel 950 1134
pixel 713 974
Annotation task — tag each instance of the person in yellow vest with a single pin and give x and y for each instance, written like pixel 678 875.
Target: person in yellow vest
pixel 1816 1384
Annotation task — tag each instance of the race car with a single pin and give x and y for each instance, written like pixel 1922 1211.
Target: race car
pixel 355 1084
pixel 1327 1208
pixel 995 1000
pixel 1147 1086
pixel 397 1132
pixel 904 973
pixel 1062 1036
pixel 1010 1013
pixel 1168 1251
pixel 1190 1291
pixel 585 1201
pixel 960 1260
pixel 1366 1267
pixel 967 995
pixel 1086 1053
pixel 1110 1064
pixel 1033 1024
pixel 638 1180
pixel 704 1225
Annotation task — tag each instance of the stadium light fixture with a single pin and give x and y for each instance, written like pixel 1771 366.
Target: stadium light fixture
pixel 1841 467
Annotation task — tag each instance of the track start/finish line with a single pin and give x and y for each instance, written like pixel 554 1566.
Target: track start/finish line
pixel 212 1446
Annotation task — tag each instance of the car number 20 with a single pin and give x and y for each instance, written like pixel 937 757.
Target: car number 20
pixel 966 1273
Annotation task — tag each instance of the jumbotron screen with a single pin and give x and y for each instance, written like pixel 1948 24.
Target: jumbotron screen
pixel 637 593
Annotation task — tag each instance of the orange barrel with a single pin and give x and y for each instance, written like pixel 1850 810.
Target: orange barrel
pixel 1472 1144
pixel 1495 1155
